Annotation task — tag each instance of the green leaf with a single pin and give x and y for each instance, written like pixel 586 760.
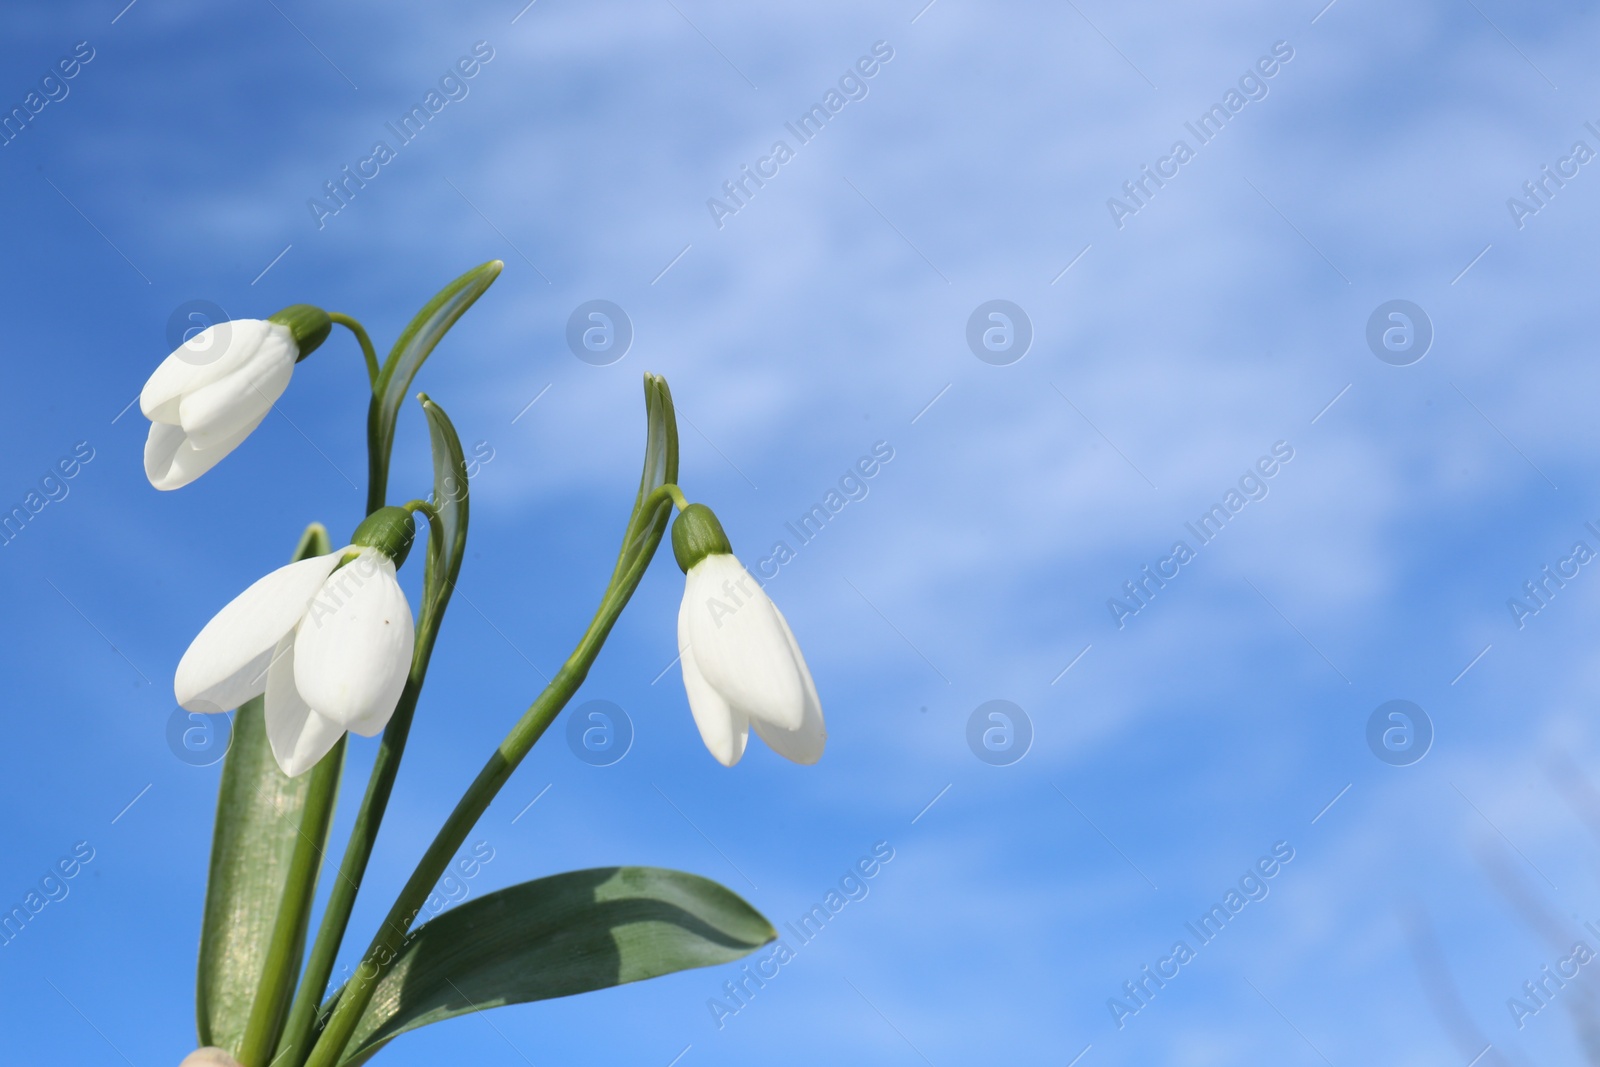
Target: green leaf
pixel 553 937
pixel 266 849
pixel 405 359
pixel 450 498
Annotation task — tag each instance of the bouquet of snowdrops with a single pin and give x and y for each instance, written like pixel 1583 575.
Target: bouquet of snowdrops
pixel 329 645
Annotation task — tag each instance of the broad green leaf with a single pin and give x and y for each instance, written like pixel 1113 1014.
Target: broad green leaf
pixel 265 851
pixel 450 498
pixel 405 359
pixel 553 937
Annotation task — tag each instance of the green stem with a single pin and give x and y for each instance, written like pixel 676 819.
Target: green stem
pixel 435 523
pixel 297 1034
pixel 643 524
pixel 668 490
pixel 392 933
pixel 367 350
pixel 294 914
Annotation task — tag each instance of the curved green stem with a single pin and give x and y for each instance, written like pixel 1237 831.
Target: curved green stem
pixel 370 353
pixel 435 523
pixel 540 714
pixel 296 1042
pixel 665 491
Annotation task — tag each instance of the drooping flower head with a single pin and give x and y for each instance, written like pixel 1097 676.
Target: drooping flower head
pixel 206 397
pixel 327 639
pixel 741 665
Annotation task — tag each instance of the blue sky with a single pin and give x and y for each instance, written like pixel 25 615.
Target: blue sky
pixel 829 313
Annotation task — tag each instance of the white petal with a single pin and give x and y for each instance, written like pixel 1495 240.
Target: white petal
pixel 354 647
pixel 171 461
pixel 208 356
pixel 739 642
pixel 226 664
pixel 372 725
pixel 299 736
pixel 804 745
pixel 724 730
pixel 259 374
pixel 160 449
pixel 210 1056
pixel 166 386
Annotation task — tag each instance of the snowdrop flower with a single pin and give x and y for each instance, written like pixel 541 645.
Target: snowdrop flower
pixel 741 665
pixel 206 397
pixel 330 645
